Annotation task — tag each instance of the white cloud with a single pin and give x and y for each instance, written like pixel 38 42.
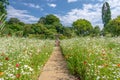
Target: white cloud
pixel 32 5
pixel 91 12
pixel 115 7
pixel 21 14
pixel 52 5
pixel 69 1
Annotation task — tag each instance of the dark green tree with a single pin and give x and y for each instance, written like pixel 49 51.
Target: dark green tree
pixel 106 13
pixel 50 19
pixel 39 28
pixel 50 33
pixel 96 31
pixel 67 31
pixel 13 21
pixel 53 22
pixel 42 20
pixel 28 30
pixel 113 27
pixel 58 27
pixel 82 27
pixel 14 27
pixel 15 24
pixel 3 4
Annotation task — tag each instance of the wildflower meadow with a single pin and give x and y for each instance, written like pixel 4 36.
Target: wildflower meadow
pixel 93 58
pixel 87 58
pixel 23 58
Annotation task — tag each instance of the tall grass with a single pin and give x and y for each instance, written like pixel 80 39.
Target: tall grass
pixel 93 58
pixel 23 58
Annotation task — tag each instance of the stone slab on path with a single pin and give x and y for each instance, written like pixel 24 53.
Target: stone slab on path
pixel 56 67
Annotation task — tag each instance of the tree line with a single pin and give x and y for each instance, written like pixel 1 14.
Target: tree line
pixel 48 26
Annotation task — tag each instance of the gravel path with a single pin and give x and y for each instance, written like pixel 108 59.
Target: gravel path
pixel 56 67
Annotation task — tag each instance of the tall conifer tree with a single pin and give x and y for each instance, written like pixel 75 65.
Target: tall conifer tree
pixel 106 13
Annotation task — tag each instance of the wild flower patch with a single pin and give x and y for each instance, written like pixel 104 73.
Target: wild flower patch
pixel 23 58
pixel 93 58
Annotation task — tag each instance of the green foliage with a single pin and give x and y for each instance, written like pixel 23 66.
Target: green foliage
pixel 58 26
pixel 3 12
pixel 82 27
pixel 47 27
pixel 39 28
pixel 13 21
pixel 42 20
pixel 14 27
pixel 67 31
pixel 50 25
pixel 50 19
pixel 2 9
pixel 50 33
pixel 28 29
pixel 106 13
pixel 2 23
pixel 113 27
pixel 3 4
pixel 96 31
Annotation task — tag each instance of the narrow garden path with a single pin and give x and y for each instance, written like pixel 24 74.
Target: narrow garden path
pixel 56 67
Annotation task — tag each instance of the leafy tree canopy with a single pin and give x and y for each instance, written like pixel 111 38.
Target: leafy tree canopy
pixel 3 4
pixel 50 19
pixel 82 27
pixel 106 13
pixel 96 31
pixel 13 20
pixel 42 20
pixel 113 27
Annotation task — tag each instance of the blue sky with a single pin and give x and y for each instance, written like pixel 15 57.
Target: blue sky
pixel 29 11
